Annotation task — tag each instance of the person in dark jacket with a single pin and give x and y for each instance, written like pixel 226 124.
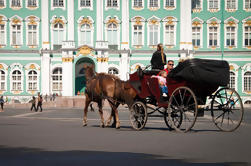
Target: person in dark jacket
pixel 1 103
pixel 33 103
pixel 158 60
pixel 39 102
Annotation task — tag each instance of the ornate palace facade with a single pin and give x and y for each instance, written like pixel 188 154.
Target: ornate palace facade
pixel 44 44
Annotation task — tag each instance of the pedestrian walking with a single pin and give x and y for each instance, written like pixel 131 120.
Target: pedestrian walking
pixel 33 103
pixel 1 103
pixel 46 97
pixel 39 102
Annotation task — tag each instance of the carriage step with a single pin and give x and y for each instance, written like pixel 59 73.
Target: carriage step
pixel 155 115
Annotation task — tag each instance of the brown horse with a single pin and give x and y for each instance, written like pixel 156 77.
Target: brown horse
pixel 102 86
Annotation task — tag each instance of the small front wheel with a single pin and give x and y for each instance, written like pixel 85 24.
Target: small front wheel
pixel 138 115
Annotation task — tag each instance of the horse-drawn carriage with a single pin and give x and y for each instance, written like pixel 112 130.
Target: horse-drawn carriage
pixel 194 86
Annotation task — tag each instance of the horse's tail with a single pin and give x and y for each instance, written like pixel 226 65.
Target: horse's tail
pixel 92 109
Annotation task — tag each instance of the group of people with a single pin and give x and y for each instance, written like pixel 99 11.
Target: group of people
pixel 158 61
pixel 37 103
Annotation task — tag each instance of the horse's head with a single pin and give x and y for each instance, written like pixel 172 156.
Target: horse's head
pixel 89 72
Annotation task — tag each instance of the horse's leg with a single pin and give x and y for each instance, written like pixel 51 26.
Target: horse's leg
pixel 112 115
pixel 115 115
pixel 87 102
pixel 101 113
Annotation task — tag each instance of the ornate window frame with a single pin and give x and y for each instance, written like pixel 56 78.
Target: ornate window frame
pixel 116 21
pixel 15 7
pixel 169 8
pixel 112 7
pixel 32 67
pixel 245 68
pixel 213 9
pixel 153 8
pixel 16 20
pixel 153 21
pixel 198 10
pixel 231 10
pixel 54 67
pixel 234 68
pixel 32 7
pixel 231 22
pixel 85 7
pixel 246 22
pixel 170 20
pixel 85 20
pixel 197 22
pixel 138 20
pixel 116 67
pixel 58 7
pixel 4 68
pixel 54 21
pixel 214 22
pixel 18 67
pixel 138 8
pixel 32 20
pixel 246 9
pixel 4 6
pixel 3 21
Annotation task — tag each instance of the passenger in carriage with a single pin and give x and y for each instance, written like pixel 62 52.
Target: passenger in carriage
pixel 162 82
pixel 158 60
pixel 169 67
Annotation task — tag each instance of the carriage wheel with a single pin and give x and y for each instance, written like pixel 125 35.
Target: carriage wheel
pixel 227 109
pixel 176 118
pixel 182 109
pixel 138 115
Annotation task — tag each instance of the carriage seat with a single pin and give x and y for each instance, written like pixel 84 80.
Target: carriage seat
pixel 153 85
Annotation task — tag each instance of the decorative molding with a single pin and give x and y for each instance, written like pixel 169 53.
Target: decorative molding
pixel 84 50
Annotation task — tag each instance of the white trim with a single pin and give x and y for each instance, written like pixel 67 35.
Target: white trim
pixel 91 28
pixel 244 69
pixel 200 9
pixel 37 81
pixel 51 81
pixel 20 58
pixel 81 8
pixel 243 30
pixel 201 30
pixel 37 30
pixel 5 69
pixel 235 71
pixel 218 31
pixel 148 28
pixel 52 7
pixel 52 28
pixel 4 19
pixel 169 8
pixel 247 10
pixel 31 8
pixel 165 21
pixel 4 1
pixel 214 9
pixel 232 10
pixel 118 29
pixel 153 8
pixel 19 67
pixel 236 31
pixel 21 29
pixel 137 8
pixel 116 8
pixel 16 8
pixel 133 22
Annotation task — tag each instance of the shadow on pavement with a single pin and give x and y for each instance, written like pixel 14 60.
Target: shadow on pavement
pixel 38 157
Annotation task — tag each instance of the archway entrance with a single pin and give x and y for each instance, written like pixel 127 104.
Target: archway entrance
pixel 80 80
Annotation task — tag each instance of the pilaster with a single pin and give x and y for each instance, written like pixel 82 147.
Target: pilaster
pixel 185 27
pixel 45 73
pixel 125 24
pixel 100 19
pixel 70 15
pixel 45 24
pixel 124 65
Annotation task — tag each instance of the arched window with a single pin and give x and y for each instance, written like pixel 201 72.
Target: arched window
pixel 57 79
pixel 248 102
pixel 2 80
pixel 113 70
pixel 247 81
pixel 232 80
pixel 85 34
pixel 16 80
pixel 32 80
pixel 58 34
pixel 112 30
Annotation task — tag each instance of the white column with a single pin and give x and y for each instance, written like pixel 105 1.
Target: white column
pixel 99 63
pixel 100 20
pixel 67 77
pixel 45 73
pixel 45 24
pixel 125 24
pixel 124 66
pixel 105 62
pixel 185 26
pixel 70 15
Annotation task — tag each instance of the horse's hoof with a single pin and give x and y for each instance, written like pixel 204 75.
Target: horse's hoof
pixel 118 127
pixel 84 124
pixel 102 125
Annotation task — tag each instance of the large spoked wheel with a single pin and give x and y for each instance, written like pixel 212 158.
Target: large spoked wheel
pixel 227 109
pixel 175 118
pixel 182 109
pixel 138 115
